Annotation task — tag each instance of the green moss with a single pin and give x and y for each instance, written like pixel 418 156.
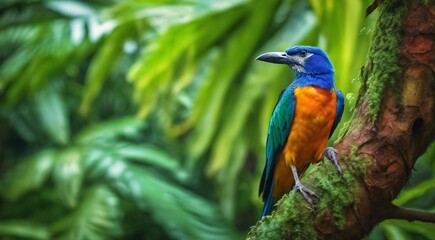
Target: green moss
pixel 334 192
pixel 337 191
pixel 291 220
pixel 382 68
pixel 359 163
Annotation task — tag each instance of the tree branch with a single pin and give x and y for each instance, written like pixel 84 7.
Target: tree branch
pixel 396 212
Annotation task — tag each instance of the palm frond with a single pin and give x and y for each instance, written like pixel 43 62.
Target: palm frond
pixel 30 175
pixel 96 218
pixel 87 175
pixel 15 229
pixel 401 229
pixel 51 112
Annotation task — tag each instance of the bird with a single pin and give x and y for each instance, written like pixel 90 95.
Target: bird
pixel 304 118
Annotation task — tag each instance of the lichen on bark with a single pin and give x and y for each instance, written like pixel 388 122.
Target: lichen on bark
pixel 382 67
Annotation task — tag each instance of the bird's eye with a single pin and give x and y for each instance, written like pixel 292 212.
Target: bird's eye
pixel 302 53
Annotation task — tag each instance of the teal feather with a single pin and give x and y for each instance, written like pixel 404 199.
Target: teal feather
pixel 279 129
pixel 339 111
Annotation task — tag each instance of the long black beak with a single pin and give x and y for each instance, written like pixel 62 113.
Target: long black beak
pixel 275 57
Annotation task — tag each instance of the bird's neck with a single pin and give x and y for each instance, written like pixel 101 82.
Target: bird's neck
pixel 323 80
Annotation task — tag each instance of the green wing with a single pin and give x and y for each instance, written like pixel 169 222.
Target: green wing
pixel 279 129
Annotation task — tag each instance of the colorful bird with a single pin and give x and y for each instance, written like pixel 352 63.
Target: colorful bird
pixel 304 118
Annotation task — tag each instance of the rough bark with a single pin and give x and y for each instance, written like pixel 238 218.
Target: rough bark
pixel 393 124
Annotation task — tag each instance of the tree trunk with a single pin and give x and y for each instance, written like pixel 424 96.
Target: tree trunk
pixel 392 125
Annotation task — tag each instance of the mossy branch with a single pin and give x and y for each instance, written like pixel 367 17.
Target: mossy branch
pixel 382 69
pixel 293 214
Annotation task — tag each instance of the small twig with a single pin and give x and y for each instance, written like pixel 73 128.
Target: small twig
pixel 372 7
pixel 395 212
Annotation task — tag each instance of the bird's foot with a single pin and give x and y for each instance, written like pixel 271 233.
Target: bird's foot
pixel 307 193
pixel 331 154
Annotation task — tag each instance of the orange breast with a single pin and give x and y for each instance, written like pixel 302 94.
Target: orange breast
pixel 313 118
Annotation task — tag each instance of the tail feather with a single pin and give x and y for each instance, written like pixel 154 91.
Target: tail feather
pixel 268 204
pixel 267 208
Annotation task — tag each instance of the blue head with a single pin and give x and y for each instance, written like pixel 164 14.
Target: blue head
pixel 306 61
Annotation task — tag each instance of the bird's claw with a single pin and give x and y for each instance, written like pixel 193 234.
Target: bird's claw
pixel 331 154
pixel 305 192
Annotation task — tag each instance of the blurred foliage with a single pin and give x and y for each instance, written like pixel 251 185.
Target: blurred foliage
pixel 147 119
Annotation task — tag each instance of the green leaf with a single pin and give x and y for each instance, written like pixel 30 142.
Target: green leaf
pixel 23 229
pixel 182 213
pixel 97 217
pixel 155 71
pixel 51 112
pixel 415 192
pixel 393 232
pixel 71 8
pixel 109 130
pixel 148 154
pixel 30 175
pixel 37 62
pixel 102 65
pixel 68 175
pixel 12 66
pixel 425 229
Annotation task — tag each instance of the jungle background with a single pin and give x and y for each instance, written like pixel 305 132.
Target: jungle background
pixel 147 119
